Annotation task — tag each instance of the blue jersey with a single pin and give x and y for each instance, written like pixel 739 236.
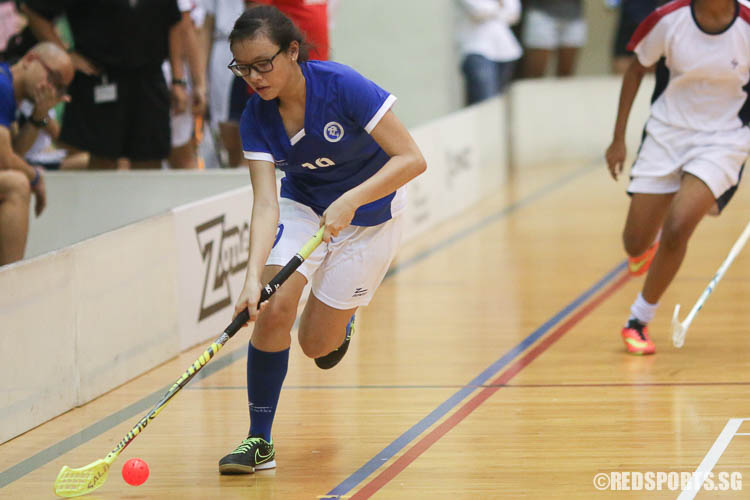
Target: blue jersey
pixel 334 152
pixel 7 98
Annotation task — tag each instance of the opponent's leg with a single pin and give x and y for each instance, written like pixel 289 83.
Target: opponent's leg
pixel 644 221
pixel 691 203
pixel 645 218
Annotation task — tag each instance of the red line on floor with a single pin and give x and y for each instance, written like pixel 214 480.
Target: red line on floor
pixel 428 440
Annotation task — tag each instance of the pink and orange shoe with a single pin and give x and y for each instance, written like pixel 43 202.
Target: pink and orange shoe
pixel 638 266
pixel 636 338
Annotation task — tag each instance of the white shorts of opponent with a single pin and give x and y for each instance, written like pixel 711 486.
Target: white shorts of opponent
pixel 345 272
pixel 716 158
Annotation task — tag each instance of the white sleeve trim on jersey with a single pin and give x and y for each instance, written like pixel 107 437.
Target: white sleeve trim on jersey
pixel 297 137
pixel 381 112
pixel 252 155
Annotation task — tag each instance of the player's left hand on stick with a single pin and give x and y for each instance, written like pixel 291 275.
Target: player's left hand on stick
pixel 249 300
pixel 615 156
pixel 337 216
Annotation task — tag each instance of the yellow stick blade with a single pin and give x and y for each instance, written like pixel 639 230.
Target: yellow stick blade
pixel 77 482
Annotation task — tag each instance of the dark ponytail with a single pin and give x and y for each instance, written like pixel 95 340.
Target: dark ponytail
pixel 271 22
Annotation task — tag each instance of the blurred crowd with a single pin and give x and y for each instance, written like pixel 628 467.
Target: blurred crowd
pixel 144 84
pixel 122 84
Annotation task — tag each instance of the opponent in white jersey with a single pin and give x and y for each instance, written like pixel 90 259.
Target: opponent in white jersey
pixel 696 140
pixel 346 157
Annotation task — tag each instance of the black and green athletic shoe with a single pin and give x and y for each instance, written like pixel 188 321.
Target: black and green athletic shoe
pixel 332 358
pixel 253 453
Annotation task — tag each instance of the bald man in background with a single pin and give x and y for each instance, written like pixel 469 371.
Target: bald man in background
pixel 42 77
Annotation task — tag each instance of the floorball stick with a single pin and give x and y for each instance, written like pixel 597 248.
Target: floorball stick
pixel 679 329
pixel 77 482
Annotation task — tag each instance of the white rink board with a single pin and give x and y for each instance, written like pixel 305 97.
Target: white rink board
pixel 38 375
pixel 571 119
pixel 127 305
pixel 212 239
pixel 466 161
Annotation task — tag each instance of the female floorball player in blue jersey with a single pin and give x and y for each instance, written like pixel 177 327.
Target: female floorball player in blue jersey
pixel 346 158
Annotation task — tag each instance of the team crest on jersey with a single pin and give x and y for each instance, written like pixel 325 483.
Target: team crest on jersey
pixel 333 131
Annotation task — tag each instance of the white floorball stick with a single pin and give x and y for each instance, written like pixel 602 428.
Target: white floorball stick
pixel 679 329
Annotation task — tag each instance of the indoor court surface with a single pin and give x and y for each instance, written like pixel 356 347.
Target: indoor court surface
pixel 489 366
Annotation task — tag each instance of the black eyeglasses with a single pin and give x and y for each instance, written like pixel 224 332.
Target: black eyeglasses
pixel 54 78
pixel 262 66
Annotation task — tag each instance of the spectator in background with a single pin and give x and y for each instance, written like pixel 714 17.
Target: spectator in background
pixel 187 53
pixel 42 77
pixel 631 13
pixel 552 27
pixel 224 111
pixel 120 101
pixel 488 47
pixel 43 151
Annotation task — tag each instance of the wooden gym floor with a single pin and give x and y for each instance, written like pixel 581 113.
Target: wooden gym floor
pixel 489 365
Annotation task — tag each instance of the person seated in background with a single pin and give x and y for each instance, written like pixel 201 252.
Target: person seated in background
pixel 44 151
pixel 42 77
pixel 552 27
pixel 488 47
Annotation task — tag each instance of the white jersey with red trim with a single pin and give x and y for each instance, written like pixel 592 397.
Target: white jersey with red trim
pixel 701 78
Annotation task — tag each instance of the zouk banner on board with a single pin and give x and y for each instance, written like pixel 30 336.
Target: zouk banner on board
pixel 213 240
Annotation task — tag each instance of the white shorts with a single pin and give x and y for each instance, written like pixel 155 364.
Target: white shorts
pixel 716 158
pixel 344 273
pixel 182 127
pixel 542 31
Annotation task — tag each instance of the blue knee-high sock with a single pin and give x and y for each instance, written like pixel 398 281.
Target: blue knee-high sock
pixel 265 375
